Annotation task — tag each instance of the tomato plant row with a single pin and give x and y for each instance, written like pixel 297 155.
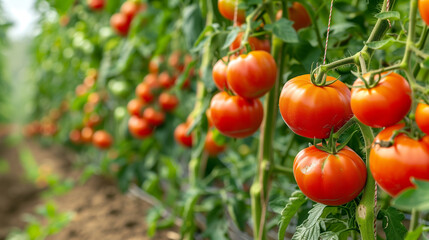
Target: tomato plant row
pixel 176 91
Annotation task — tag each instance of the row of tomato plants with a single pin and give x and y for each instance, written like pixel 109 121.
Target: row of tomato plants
pixel 247 51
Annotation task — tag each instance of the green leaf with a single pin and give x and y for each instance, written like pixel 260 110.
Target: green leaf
pixel 62 6
pixel 295 201
pixel 310 228
pixel 232 35
pixel 392 223
pixel 379 44
pixel 425 64
pixel 237 209
pixel 329 236
pixel 194 24
pixel 392 15
pixel 218 138
pixel 415 235
pixel 283 29
pixel 417 198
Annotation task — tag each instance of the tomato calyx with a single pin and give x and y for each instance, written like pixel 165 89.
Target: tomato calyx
pixel 330 145
pixel 319 79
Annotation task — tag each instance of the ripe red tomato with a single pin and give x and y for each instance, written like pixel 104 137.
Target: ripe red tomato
pixel 153 117
pixel 165 80
pixel 383 105
pixel 81 90
pixel 422 117
pixel 151 80
pixel 102 139
pixel 120 23
pixel 93 120
pixel 424 10
pixel 235 116
pixel 175 61
pixel 211 147
pixel 49 129
pixel 74 136
pixel 154 65
pixel 93 98
pixel 327 178
pixel 139 127
pixel 227 9
pixel 96 4
pixel 312 111
pixel 168 102
pixel 144 92
pixel 130 9
pixel 252 75
pixel 209 118
pixel 219 74
pixel 135 106
pixel 180 134
pixel 392 167
pixel 255 43
pixel 86 134
pixel 298 14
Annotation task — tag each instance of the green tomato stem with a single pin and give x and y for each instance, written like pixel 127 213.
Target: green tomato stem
pixel 261 185
pixel 283 170
pixel 365 215
pixel 415 215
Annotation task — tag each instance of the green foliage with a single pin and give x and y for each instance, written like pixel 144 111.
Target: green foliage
pixel 392 223
pixel 417 198
pixel 47 222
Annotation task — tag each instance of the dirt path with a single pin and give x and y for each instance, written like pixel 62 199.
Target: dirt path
pixel 100 210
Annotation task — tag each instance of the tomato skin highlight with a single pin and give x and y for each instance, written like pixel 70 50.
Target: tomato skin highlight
pixel 180 135
pixel 252 75
pixel 311 111
pixel 329 179
pixel 227 9
pixel 422 117
pixel 120 24
pixel 383 105
pixel 102 139
pixel 235 116
pixel 424 10
pixel 392 167
pixel 139 127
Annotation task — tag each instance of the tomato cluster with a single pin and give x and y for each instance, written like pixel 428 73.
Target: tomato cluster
pixel 381 100
pixel 91 130
pixel 248 76
pixel 48 126
pixel 121 21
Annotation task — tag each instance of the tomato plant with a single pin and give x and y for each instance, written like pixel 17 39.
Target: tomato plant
pixel 334 74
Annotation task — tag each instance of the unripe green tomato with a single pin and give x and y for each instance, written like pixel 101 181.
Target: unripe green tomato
pixel 119 88
pixel 120 113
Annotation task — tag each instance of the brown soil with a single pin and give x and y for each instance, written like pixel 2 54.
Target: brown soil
pixel 100 210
